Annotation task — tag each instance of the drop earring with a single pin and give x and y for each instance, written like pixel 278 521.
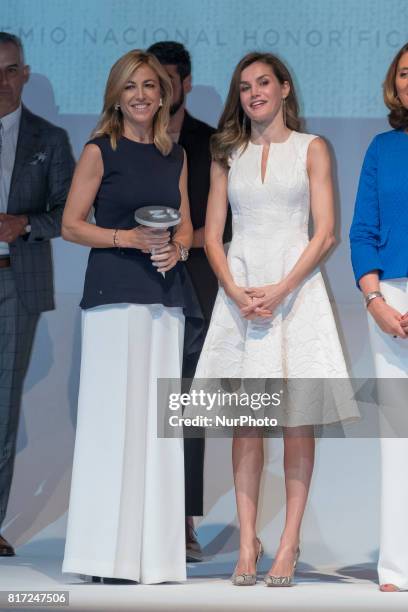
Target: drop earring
pixel 284 111
pixel 161 102
pixel 117 107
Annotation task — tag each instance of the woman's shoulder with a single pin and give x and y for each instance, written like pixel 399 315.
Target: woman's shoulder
pixel 389 137
pixel 385 143
pixel 101 139
pixel 304 136
pixel 304 139
pixel 389 134
pixel 304 144
pixel 102 142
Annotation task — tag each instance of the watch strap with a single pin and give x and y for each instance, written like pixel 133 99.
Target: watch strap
pixel 372 295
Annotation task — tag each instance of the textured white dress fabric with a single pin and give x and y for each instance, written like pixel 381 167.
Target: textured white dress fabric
pixel 270 231
pixel 391 362
pixel 126 512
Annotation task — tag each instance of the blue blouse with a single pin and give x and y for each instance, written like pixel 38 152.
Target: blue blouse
pixel 379 232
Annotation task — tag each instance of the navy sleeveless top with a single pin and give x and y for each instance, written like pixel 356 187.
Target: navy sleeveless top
pixel 135 175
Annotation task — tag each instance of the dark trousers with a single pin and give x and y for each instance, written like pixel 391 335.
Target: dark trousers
pixel 193 454
pixel 17 329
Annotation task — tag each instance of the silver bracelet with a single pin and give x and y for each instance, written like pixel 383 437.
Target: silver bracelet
pixel 372 295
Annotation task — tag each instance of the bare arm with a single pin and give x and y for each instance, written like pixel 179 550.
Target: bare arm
pixel 214 228
pixel 215 223
pixel 184 230
pixel 369 282
pixel 322 208
pixel 75 224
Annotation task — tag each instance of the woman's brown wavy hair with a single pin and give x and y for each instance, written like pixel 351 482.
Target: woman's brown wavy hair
pixel 233 132
pixel 398 115
pixel 111 120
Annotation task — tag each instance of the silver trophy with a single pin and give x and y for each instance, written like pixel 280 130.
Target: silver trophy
pixel 158 217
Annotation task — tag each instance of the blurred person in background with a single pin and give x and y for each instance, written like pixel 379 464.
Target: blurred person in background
pixel 194 136
pixel 36 166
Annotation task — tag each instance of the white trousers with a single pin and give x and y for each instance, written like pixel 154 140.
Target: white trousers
pixel 391 361
pixel 126 513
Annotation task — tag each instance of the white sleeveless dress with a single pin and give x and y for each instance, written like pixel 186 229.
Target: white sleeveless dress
pixel 270 232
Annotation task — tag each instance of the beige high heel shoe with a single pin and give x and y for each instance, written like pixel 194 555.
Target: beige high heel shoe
pixel 282 581
pixel 247 579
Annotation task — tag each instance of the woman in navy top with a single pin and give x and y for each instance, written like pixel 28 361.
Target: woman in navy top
pixel 126 514
pixel 379 250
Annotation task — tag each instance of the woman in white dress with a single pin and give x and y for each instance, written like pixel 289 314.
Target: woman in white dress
pixel 272 317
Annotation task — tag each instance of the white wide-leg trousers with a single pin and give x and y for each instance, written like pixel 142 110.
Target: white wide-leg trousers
pixel 126 513
pixel 391 361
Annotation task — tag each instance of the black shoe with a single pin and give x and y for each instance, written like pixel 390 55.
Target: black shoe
pixel 6 549
pixel 112 580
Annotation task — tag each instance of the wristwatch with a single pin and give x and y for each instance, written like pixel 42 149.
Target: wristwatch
pixel 372 295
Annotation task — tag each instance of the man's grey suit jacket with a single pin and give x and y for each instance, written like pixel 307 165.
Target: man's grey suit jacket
pixel 39 187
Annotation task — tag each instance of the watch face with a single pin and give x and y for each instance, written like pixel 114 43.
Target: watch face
pixel 27 229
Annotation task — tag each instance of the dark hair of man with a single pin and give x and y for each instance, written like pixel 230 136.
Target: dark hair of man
pixel 174 53
pixel 7 38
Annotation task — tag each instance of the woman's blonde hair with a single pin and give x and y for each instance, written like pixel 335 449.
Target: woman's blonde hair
pixel 111 120
pixel 234 128
pixel 398 116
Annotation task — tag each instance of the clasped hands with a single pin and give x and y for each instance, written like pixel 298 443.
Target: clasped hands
pixel 164 254
pixel 258 302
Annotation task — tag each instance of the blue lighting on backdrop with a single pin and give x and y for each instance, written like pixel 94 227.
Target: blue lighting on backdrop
pixel 337 49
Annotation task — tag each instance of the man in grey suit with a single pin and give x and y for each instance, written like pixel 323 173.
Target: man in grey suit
pixel 36 166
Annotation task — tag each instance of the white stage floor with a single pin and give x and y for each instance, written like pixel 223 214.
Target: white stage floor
pixel 208 589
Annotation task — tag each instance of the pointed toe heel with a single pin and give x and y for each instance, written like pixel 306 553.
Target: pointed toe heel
pixel 282 581
pixel 243 579
pixel 248 579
